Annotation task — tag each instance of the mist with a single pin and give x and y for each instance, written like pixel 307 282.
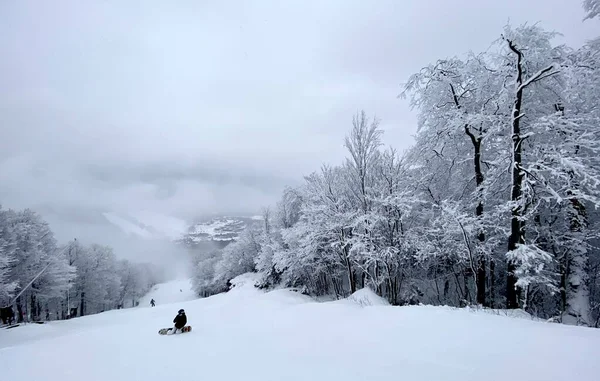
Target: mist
pixel 200 108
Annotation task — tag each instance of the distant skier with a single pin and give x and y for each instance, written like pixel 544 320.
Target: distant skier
pixel 180 321
pixel 152 303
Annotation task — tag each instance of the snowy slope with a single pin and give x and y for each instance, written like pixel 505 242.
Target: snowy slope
pixel 250 335
pixel 128 226
pixel 220 229
pixel 176 291
pixel 148 225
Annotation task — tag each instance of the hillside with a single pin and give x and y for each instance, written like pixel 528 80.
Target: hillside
pixel 248 334
pixel 219 230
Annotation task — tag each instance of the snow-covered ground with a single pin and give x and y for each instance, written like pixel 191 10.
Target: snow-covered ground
pixel 218 229
pixel 248 334
pixel 215 228
pixel 175 291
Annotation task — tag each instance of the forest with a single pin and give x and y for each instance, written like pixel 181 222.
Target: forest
pixel 41 280
pixel 494 205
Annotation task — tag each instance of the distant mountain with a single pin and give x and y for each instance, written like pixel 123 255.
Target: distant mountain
pixel 219 230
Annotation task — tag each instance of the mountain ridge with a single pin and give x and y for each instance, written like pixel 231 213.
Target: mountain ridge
pixel 220 229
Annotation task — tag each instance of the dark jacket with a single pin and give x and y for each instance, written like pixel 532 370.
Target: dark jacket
pixel 180 321
pixel 7 314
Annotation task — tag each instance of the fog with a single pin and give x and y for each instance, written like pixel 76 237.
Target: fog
pixel 188 108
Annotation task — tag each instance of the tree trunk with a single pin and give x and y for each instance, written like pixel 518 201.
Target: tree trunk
pixel 379 285
pixel 461 294
pixel 481 265
pixel 517 226
pixel 20 317
pixel 492 283
pixel 516 231
pixel 480 275
pixel 563 268
pixel 81 309
pixel 466 276
pixel 351 277
pixel 34 310
pixel 577 296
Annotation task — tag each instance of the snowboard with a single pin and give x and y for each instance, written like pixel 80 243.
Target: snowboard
pixel 165 331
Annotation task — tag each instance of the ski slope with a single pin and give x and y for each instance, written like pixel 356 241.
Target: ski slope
pixel 176 291
pixel 249 335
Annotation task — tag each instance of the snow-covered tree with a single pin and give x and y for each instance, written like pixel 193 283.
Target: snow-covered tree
pixel 238 257
pixel 7 258
pixel 45 281
pixel 203 279
pixel 135 281
pixel 494 204
pixel 459 120
pixel 527 69
pixel 591 8
pixel 288 209
pixel 39 268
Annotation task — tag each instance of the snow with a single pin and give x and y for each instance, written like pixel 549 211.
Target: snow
pixel 247 280
pixel 211 228
pixel 517 313
pixel 366 297
pixel 126 226
pixel 248 334
pixel 171 227
pixel 176 291
pixel 222 229
pixel 148 225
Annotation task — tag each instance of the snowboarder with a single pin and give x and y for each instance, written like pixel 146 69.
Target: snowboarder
pixel 152 303
pixel 180 321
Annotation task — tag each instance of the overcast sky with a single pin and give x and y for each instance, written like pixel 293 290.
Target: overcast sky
pixel 189 107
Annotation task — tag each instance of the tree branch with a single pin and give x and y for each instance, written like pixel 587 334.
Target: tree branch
pixel 542 74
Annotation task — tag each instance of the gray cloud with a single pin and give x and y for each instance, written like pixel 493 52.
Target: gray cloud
pixel 193 107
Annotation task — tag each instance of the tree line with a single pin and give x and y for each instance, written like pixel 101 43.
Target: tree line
pixel 495 204
pixel 42 280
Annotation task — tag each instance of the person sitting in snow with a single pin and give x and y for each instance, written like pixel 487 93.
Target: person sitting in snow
pixel 7 315
pixel 180 321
